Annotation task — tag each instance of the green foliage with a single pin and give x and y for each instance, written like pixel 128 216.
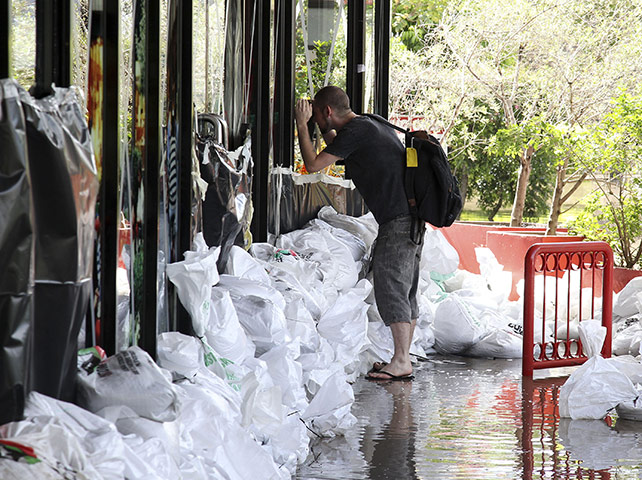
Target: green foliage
pixel 413 19
pixel 497 164
pixel 619 224
pixel 613 152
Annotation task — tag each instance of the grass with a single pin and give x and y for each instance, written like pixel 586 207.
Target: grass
pixel 570 209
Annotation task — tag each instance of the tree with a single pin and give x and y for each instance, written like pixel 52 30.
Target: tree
pixel 559 61
pixel 613 152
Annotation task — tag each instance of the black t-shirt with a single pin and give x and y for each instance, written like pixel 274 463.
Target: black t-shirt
pixel 374 158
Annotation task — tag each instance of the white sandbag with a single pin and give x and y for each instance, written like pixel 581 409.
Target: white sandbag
pixel 597 385
pixel 287 443
pixel 240 287
pixel 457 325
pixel 100 440
pixel 379 336
pixel 329 411
pixel 291 274
pixel 301 325
pixel 627 341
pixel 180 354
pixel 498 343
pixel 438 255
pixel 241 264
pixel 287 373
pixel 630 410
pixel 194 277
pixel 130 378
pixel 345 324
pixel 364 227
pixel 333 258
pixel 464 280
pixel 224 331
pixel 318 362
pixel 240 457
pixel 499 282
pixel 263 322
pixel 355 245
pixel 54 445
pixel 213 440
pixel 627 302
pixel 262 400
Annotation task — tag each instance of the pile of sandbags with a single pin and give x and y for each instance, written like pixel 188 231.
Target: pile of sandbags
pixel 281 332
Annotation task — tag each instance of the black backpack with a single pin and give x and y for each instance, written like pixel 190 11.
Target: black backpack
pixel 431 188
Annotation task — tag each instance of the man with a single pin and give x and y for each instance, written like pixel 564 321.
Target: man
pixel 374 160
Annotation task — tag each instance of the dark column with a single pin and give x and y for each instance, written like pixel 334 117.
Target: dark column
pixel 5 48
pixel 284 101
pixel 111 160
pixel 53 57
pixel 152 158
pixel 62 43
pixel 382 57
pixel 259 114
pixel 185 116
pixel 356 53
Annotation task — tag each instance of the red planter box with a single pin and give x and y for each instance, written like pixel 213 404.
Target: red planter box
pixel 509 245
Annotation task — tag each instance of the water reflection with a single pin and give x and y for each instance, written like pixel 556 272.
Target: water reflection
pixel 394 450
pixel 474 419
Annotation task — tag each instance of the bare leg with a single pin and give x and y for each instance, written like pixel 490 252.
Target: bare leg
pixel 379 365
pixel 400 362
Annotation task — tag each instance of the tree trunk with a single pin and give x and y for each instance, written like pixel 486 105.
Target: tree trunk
pixel 493 212
pixel 462 177
pixel 556 203
pixel 522 185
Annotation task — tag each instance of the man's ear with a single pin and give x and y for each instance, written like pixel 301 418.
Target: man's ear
pixel 327 111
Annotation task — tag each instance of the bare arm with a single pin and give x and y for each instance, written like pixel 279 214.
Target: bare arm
pixel 313 162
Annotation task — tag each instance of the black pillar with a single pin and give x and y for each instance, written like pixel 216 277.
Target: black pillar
pixel 356 54
pixel 5 48
pixel 152 158
pixel 284 83
pixel 53 57
pixel 259 114
pixel 185 116
pixel 109 214
pixel 382 57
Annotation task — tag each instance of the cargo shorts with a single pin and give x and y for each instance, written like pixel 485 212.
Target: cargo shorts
pixel 395 268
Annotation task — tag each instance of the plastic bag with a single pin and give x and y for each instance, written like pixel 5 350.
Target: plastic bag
pixel 438 255
pixel 598 385
pixel 345 324
pixel 130 378
pixel 329 411
pixel 457 325
pixel 194 277
pixel 241 264
pixel 224 331
pixel 627 302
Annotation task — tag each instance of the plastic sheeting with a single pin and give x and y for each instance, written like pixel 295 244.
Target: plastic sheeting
pixel 296 199
pixel 64 186
pixel 227 208
pixel 16 255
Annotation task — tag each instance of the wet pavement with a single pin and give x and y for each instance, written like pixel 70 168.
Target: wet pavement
pixel 474 419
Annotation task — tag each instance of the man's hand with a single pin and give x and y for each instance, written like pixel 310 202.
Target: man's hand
pixel 303 111
pixel 313 162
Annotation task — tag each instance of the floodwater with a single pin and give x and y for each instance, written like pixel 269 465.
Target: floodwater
pixel 474 419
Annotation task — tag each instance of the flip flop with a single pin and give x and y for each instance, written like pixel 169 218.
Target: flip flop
pixel 377 366
pixel 391 377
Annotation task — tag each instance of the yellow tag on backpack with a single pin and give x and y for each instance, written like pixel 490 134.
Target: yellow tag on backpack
pixel 411 157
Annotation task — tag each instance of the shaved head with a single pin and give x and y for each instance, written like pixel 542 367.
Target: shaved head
pixel 334 97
